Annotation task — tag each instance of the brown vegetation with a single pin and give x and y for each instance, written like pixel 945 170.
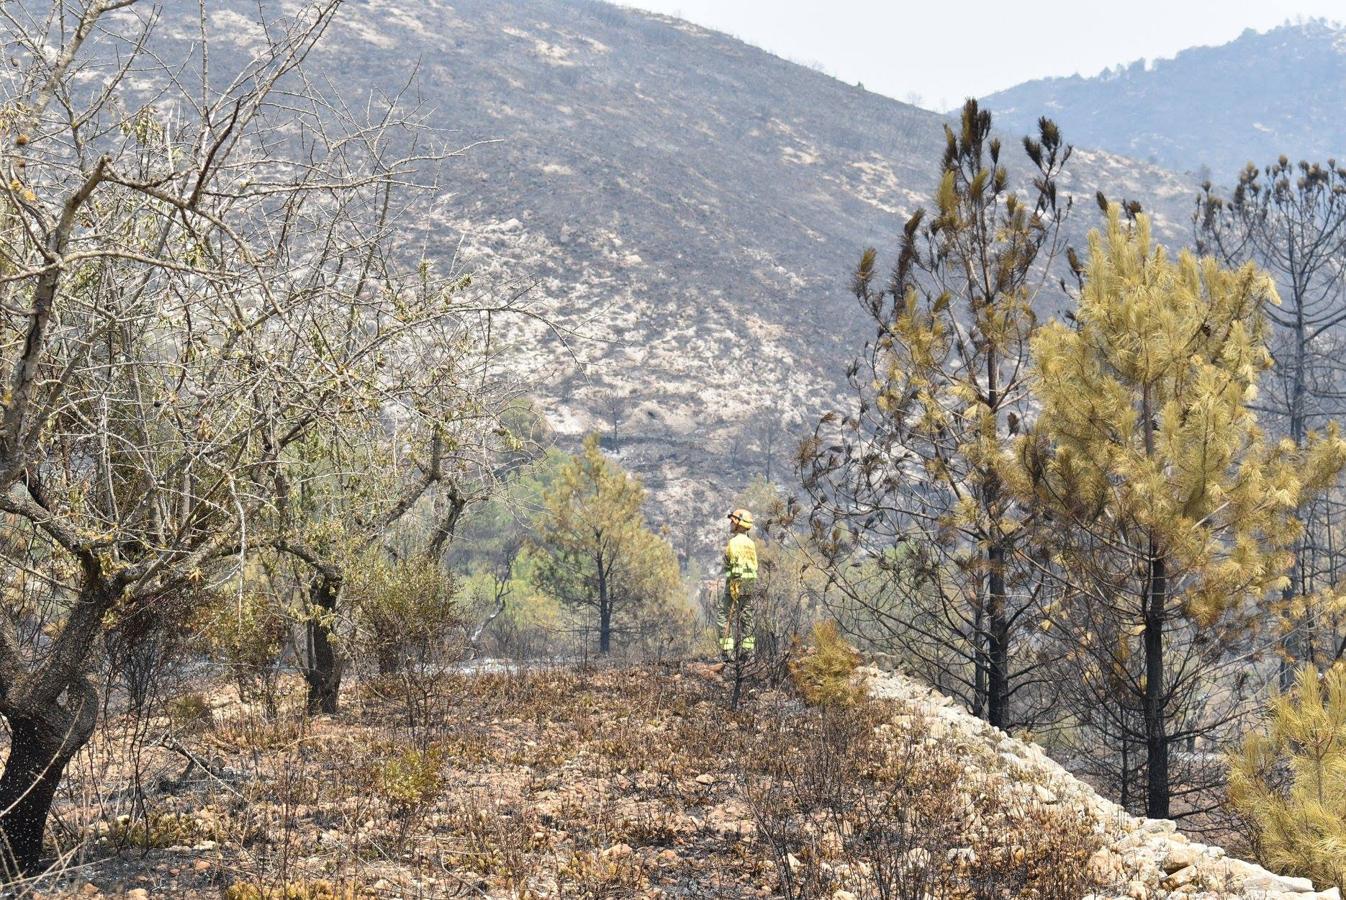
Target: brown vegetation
pixel 609 783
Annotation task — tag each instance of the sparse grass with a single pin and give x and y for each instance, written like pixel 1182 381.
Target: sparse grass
pixel 610 783
pixel 298 890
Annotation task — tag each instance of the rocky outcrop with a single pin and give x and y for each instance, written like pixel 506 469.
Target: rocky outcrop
pixel 1141 858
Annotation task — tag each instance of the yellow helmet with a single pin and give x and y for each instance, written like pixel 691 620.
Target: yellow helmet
pixel 741 518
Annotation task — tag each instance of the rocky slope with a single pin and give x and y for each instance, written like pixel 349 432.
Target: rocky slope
pixel 1219 107
pixel 690 205
pixel 1145 858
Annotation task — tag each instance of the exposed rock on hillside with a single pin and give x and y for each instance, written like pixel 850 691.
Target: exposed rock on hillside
pixel 693 206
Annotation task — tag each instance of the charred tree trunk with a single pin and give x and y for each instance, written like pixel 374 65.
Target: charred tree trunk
pixel 979 662
pixel 998 630
pixel 604 605
pixel 42 743
pixel 1296 643
pixel 1156 736
pixel 324 668
pixel 605 628
pixel 998 657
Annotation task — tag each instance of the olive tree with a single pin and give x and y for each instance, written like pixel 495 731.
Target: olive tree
pixel 195 270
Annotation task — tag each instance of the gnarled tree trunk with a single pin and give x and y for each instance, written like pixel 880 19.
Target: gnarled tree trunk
pixel 42 742
pixel 323 668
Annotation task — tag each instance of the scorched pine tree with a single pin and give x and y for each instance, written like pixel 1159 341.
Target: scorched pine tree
pixel 1170 510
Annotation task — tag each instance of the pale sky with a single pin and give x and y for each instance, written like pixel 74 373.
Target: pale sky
pixel 943 51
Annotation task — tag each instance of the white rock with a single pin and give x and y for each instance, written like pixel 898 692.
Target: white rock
pixel 1278 884
pixel 1179 878
pixel 1179 858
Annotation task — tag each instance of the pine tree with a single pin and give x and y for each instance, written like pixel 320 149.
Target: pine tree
pixel 1290 218
pixel 595 549
pixel 941 394
pixel 1290 781
pixel 1170 510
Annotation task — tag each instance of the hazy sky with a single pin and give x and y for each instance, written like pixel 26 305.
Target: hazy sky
pixel 943 51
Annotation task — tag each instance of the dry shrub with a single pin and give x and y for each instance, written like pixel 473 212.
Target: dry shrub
pixel 846 802
pixel 321 889
pixel 825 674
pixel 254 733
pixel 852 796
pixel 502 843
pixel 591 875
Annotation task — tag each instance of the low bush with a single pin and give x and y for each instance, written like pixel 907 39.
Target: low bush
pixel 825 674
pixel 410 782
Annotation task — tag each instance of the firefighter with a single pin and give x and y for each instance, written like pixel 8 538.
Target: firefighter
pixel 740 578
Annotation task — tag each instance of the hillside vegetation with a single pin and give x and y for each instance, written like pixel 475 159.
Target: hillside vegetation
pixel 1208 110
pixel 691 206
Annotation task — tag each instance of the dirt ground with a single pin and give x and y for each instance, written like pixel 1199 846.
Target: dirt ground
pixel 636 782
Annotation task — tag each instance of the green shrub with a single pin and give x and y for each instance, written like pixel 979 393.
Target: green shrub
pixel 159 830
pixel 250 636
pixel 410 782
pixel 409 612
pixel 1290 781
pixel 825 674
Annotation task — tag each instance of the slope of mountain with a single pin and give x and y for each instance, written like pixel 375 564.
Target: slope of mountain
pixel 1251 100
pixel 697 204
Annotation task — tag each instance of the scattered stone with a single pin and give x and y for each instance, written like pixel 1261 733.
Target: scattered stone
pixel 1277 884
pixel 137 894
pixel 1106 866
pixel 618 851
pixel 962 856
pixel 1178 858
pixel 1159 826
pixel 705 778
pixel 1150 857
pixel 1179 878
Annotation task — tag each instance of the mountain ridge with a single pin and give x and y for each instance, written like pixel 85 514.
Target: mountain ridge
pixel 1209 109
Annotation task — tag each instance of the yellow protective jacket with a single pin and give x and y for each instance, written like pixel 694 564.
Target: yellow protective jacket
pixel 740 558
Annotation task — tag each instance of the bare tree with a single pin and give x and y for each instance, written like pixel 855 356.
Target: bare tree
pixel 614 405
pixel 193 277
pixel 1290 219
pixel 771 433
